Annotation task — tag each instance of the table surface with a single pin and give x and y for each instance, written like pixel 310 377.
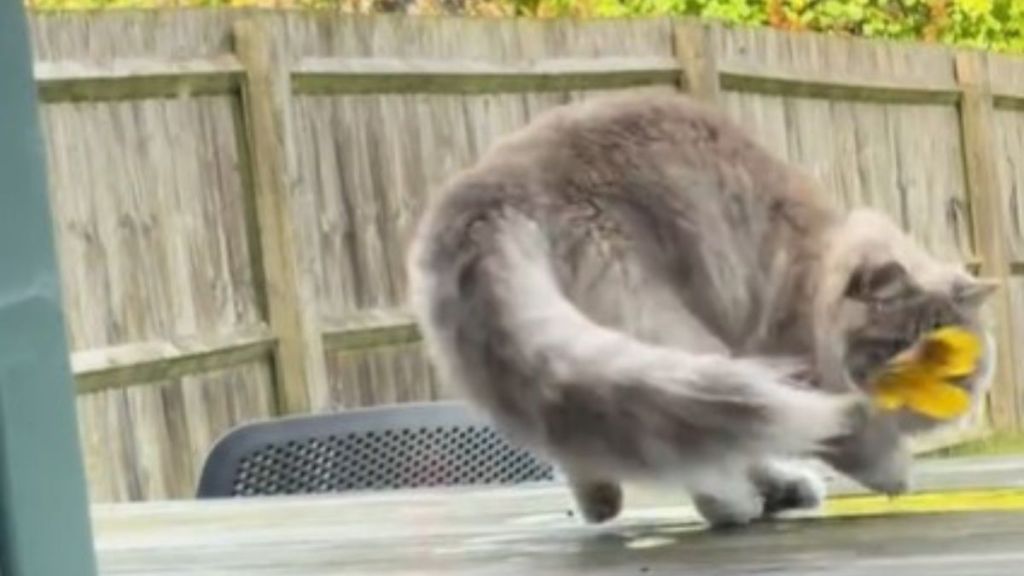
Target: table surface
pixel 532 530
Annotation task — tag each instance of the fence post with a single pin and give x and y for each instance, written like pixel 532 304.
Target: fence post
pixel 977 118
pixel 300 368
pixel 696 51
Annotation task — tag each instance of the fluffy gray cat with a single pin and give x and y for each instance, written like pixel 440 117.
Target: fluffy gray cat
pixel 634 288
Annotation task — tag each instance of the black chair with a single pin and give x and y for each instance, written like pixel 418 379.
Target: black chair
pixel 399 446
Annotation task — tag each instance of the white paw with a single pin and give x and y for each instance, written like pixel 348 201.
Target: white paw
pixel 729 511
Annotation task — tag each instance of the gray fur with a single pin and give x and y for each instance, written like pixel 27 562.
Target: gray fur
pixel 634 288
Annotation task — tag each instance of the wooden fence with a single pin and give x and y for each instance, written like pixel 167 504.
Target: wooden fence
pixel 233 190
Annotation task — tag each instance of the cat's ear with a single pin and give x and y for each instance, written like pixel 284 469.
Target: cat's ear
pixel 973 292
pixel 878 282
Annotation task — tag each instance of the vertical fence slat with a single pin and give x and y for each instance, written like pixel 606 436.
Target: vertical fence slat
pixel 301 374
pixel 697 55
pixel 977 116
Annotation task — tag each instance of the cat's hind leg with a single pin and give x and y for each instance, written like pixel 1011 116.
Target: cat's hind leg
pixel 598 500
pixel 787 486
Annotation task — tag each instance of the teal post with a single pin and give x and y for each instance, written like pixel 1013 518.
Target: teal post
pixel 44 523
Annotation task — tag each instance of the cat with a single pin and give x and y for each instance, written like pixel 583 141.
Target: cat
pixel 635 289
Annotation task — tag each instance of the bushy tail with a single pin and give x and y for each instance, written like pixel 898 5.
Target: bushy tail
pixel 496 321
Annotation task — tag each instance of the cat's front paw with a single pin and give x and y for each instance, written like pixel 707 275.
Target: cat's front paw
pixel 889 475
pixel 732 512
pixel 877 457
pixel 789 488
pixel 888 484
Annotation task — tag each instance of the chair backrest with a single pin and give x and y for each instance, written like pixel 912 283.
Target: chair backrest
pixel 399 446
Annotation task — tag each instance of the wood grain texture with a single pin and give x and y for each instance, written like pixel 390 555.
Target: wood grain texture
pixel 977 114
pixel 282 211
pixel 149 442
pixel 140 79
pixel 745 77
pixel 392 76
pixel 150 217
pixel 1015 287
pixel 869 154
pixel 370 329
pixel 1006 80
pixel 144 362
pixel 150 211
pixel 1009 129
pixel 383 375
pixel 695 49
pixel 486 41
pixel 865 152
pixel 836 60
pixel 179 34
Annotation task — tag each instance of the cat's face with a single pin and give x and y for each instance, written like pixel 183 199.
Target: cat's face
pixel 886 310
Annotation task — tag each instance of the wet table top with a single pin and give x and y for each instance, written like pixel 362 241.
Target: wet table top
pixel 967 519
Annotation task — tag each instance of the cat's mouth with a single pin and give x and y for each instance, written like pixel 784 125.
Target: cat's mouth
pixel 868 356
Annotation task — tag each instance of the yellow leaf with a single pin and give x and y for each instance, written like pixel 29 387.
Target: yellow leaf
pixel 892 388
pixel 889 400
pixel 951 352
pixel 938 399
pixel 920 380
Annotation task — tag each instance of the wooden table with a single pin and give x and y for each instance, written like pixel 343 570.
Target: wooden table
pixel 531 531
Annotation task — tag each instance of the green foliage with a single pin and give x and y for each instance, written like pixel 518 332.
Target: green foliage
pixel 73 5
pixel 995 445
pixel 992 24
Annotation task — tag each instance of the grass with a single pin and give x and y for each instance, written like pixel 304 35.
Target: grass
pixel 996 445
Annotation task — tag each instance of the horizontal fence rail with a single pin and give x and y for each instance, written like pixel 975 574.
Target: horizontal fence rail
pixel 147 362
pixel 121 79
pixel 60 81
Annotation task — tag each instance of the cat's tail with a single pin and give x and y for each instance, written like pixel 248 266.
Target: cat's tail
pixel 496 322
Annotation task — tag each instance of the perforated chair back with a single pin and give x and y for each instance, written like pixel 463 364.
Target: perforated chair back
pixel 401 446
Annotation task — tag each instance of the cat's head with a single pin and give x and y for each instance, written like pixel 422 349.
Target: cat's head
pixel 890 293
